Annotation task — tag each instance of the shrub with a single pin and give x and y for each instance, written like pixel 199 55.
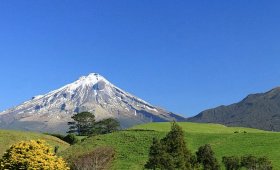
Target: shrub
pixel 249 162
pixel 231 162
pixel 98 159
pixel 264 163
pixel 252 162
pixel 71 139
pixel 56 149
pixel 59 136
pixel 31 155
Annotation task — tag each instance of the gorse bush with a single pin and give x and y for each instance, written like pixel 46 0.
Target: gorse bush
pixel 33 154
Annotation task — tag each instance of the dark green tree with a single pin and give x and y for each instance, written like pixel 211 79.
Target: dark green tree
pixel 105 126
pixel 72 127
pixel 158 158
pixel 194 163
pixel 206 157
pixel 231 162
pixel 250 162
pixel 175 145
pixel 83 123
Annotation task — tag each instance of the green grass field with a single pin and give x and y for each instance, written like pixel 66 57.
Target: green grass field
pixel 132 145
pixel 9 137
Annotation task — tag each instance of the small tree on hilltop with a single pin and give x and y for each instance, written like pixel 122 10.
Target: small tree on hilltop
pixel 83 123
pixel 31 155
pixel 105 126
pixel 205 156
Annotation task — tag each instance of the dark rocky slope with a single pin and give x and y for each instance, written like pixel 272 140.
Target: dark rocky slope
pixel 260 111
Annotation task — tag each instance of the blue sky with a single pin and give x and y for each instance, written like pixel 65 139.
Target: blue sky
pixel 185 56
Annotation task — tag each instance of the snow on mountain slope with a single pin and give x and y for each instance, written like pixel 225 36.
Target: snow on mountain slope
pixel 93 93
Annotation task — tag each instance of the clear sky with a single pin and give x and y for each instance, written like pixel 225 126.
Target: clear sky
pixel 185 56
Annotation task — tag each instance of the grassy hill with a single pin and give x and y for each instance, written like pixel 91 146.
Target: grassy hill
pixel 132 145
pixel 9 137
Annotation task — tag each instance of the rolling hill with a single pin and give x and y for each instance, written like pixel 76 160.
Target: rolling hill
pixel 9 137
pixel 132 145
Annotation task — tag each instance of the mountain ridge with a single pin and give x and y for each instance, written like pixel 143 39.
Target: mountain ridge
pixel 259 110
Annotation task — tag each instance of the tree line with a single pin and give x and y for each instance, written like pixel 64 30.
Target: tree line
pixel 84 124
pixel 171 153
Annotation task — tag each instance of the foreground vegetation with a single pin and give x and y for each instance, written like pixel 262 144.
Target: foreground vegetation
pixel 132 146
pixel 33 154
pixel 129 149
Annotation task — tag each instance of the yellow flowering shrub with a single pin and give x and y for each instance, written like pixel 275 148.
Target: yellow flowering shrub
pixel 31 155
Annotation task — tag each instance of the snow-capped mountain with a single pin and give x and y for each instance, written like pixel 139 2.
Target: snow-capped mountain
pixel 93 93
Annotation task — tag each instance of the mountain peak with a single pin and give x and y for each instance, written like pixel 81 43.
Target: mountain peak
pixel 90 76
pixel 93 93
pixel 86 81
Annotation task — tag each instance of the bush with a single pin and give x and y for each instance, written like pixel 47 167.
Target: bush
pixel 98 159
pixel 252 162
pixel 248 162
pixel 231 162
pixel 59 136
pixel 71 139
pixel 31 155
pixel 264 163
